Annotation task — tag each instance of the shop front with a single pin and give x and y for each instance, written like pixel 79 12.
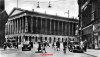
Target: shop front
pixel 97 35
pixel 88 35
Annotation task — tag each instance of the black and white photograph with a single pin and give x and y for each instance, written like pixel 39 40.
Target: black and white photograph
pixel 49 28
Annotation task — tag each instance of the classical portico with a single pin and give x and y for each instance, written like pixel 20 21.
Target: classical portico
pixel 33 26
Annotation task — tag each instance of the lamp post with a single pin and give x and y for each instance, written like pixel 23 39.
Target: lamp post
pixel 93 37
pixel 38 6
pixel 17 3
pixel 67 13
pixel 69 33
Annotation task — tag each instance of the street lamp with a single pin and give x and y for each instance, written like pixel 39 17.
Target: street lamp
pixel 68 36
pixel 17 3
pixel 49 5
pixel 67 13
pixel 38 5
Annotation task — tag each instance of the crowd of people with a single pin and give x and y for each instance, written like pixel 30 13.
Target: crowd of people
pixel 43 44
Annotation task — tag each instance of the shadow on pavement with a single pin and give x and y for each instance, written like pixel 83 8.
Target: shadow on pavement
pixel 90 55
pixel 38 52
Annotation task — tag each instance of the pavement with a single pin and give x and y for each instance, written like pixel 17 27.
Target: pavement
pixel 91 52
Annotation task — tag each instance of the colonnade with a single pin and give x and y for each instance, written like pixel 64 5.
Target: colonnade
pixel 40 25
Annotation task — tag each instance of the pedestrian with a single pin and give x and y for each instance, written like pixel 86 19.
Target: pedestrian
pixel 58 45
pixel 53 45
pixel 44 46
pixel 64 46
pixel 39 46
pixel 48 44
pixel 81 44
pixel 85 45
pixel 5 45
pixel 17 45
pixel 31 43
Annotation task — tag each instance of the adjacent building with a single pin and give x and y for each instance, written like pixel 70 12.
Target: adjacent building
pixel 3 20
pixel 89 22
pixel 25 25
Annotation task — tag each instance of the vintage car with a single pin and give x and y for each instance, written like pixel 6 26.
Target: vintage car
pixel 26 46
pixel 75 46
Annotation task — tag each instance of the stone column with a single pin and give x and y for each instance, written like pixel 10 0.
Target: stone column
pixel 20 25
pixel 65 28
pixel 72 29
pixel 17 25
pixel 31 24
pixel 69 28
pixel 62 27
pixel 50 26
pixel 36 24
pixel 58 27
pixel 10 27
pixel 54 27
pixel 45 26
pixel 23 23
pixel 13 26
pixel 26 24
pixel 41 25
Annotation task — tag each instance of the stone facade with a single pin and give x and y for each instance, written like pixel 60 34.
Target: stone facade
pixel 3 20
pixel 24 25
pixel 89 13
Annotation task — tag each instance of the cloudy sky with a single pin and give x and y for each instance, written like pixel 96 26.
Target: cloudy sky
pixel 59 7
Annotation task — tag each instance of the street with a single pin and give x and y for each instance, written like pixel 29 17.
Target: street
pixel 51 52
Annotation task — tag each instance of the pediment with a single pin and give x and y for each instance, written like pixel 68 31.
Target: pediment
pixel 15 11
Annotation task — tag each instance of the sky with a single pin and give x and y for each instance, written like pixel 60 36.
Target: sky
pixel 59 7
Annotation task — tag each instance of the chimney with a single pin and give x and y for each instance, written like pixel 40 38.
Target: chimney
pixel 2 5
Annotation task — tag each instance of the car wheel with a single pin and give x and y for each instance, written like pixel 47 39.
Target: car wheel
pixel 82 51
pixel 22 50
pixel 69 50
pixel 72 50
pixel 30 49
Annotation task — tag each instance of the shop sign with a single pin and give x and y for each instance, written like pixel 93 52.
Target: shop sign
pixel 88 30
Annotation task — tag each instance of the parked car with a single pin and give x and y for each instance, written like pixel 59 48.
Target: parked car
pixel 75 46
pixel 26 46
